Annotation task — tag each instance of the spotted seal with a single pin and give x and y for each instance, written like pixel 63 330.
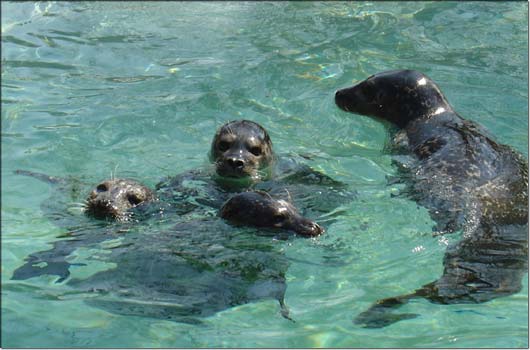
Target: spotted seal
pixel 181 269
pixel 242 149
pixel 119 202
pixel 466 180
pixel 114 198
pixel 110 199
pixel 190 271
pixel 243 159
pixel 258 208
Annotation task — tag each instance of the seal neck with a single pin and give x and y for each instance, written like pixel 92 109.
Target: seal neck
pixel 422 107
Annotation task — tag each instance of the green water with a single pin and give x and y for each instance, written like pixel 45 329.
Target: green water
pixel 138 89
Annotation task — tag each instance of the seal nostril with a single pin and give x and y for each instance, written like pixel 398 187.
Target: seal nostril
pixel 102 188
pixel 235 163
pixel 133 199
pixel 317 229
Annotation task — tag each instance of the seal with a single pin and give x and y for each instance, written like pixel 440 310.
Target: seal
pixel 466 180
pixel 242 149
pixel 110 199
pixel 260 209
pixel 114 198
pixel 242 154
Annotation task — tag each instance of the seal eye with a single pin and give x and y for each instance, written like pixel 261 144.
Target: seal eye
pixel 133 199
pixel 102 188
pixel 278 218
pixel 223 146
pixel 256 150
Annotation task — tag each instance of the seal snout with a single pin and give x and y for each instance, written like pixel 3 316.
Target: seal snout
pixel 340 99
pixel 346 99
pixel 111 199
pixel 235 163
pixel 234 166
pixel 339 94
pixel 310 229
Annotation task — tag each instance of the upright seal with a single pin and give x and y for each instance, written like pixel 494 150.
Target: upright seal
pixel 463 177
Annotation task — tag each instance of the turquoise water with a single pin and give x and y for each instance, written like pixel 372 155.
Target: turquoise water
pixel 137 89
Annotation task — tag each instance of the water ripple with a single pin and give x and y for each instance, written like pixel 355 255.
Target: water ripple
pixel 15 40
pixel 37 64
pixel 133 79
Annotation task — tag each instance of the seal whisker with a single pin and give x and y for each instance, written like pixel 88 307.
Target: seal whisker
pixel 113 176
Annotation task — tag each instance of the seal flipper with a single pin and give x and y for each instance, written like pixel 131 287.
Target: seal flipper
pixel 39 176
pixel 54 260
pixel 379 315
pixel 488 263
pixel 29 270
pixel 284 310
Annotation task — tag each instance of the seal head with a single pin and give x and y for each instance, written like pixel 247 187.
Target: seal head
pixel 258 208
pixel 112 199
pixel 242 149
pixel 398 96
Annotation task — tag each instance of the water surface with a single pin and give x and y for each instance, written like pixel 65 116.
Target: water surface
pixel 138 89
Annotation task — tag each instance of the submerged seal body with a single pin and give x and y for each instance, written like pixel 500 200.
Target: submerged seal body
pixel 184 272
pixel 258 208
pixel 191 271
pixel 463 177
pixel 117 200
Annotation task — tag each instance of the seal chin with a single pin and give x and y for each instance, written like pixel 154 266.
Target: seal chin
pixel 244 175
pixel 354 101
pixel 233 173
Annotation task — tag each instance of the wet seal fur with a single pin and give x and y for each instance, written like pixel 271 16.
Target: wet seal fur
pixel 258 208
pixel 188 271
pixel 110 199
pixel 114 198
pixel 463 177
pixel 243 159
pixel 242 149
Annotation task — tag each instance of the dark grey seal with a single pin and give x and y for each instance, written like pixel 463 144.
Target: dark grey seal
pixel 258 208
pixel 466 180
pixel 189 272
pixel 181 272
